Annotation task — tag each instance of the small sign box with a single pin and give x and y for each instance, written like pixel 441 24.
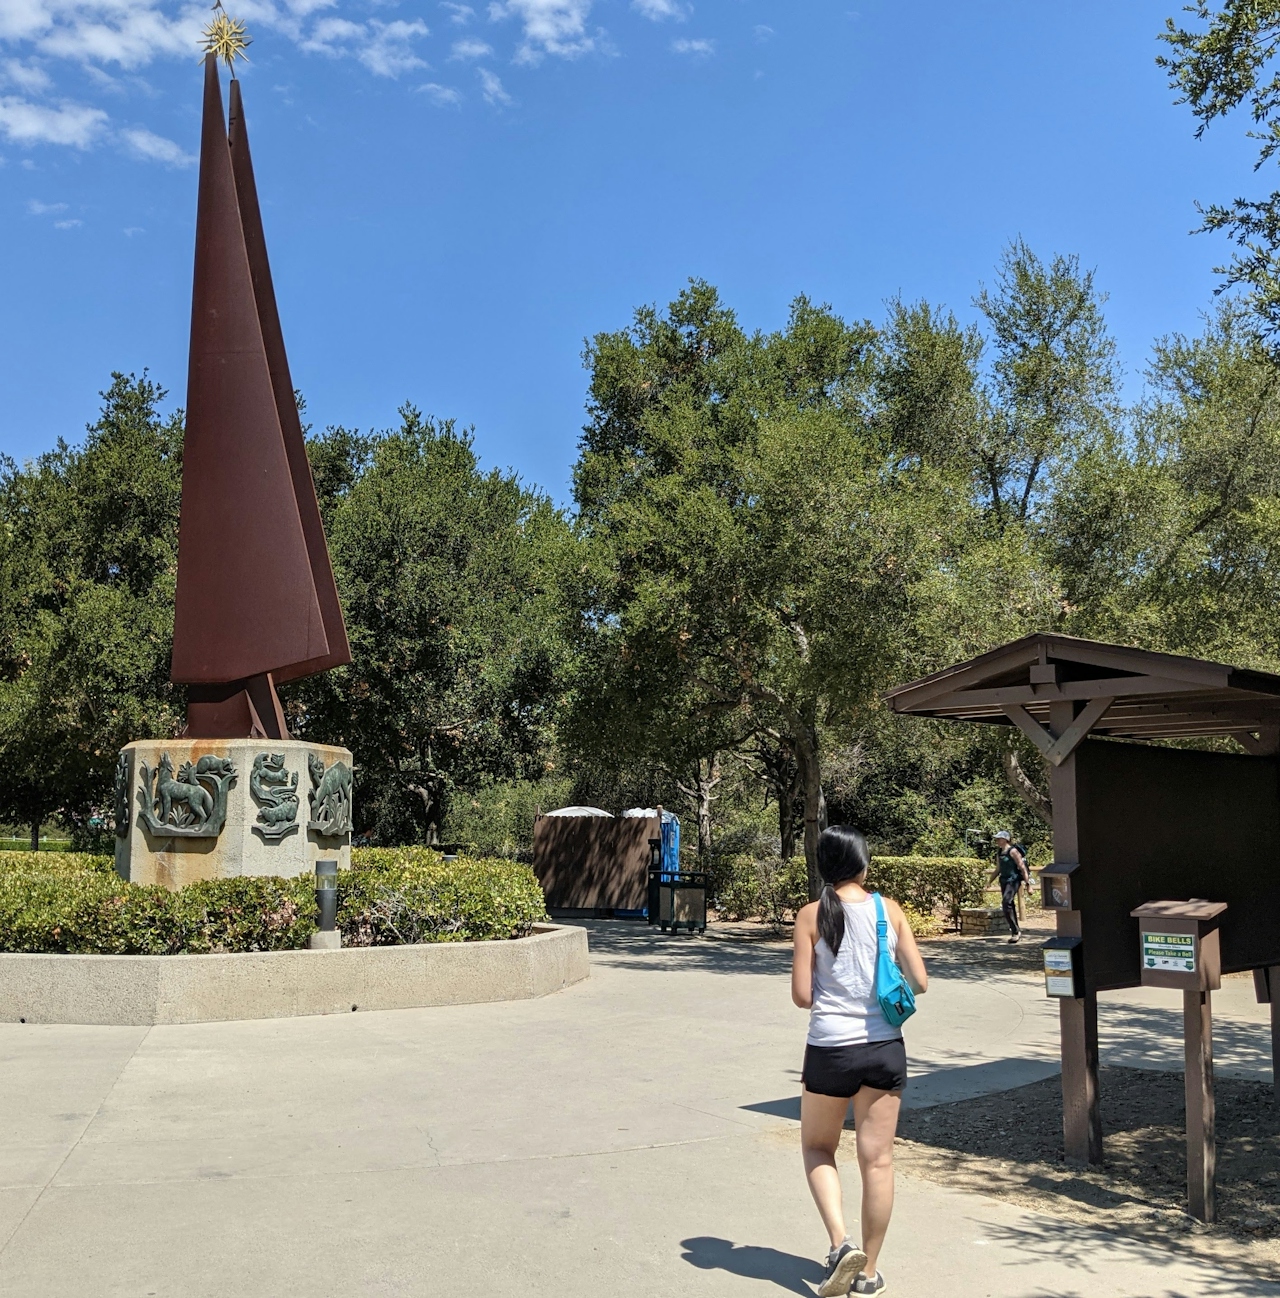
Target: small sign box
pixel 1179 944
pixel 1063 968
pixel 1055 887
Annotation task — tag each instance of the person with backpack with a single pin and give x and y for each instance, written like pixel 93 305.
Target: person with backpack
pixel 1011 869
pixel 852 950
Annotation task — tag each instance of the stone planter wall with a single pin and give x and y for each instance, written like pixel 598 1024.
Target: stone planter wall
pixel 983 921
pixel 147 989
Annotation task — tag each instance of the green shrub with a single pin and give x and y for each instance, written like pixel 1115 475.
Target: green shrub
pixel 930 883
pixel 412 894
pixel 922 924
pixel 770 889
pixel 767 888
pixel 76 903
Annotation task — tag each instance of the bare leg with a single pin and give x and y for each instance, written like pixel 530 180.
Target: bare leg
pixel 875 1115
pixel 821 1122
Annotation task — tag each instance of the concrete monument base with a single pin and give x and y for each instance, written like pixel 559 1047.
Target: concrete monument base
pixel 190 809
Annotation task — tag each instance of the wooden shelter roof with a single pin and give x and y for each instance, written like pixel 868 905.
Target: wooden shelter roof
pixel 1117 691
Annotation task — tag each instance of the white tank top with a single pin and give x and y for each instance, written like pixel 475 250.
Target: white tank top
pixel 845 1010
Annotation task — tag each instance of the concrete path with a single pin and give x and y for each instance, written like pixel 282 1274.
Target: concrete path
pixel 633 1133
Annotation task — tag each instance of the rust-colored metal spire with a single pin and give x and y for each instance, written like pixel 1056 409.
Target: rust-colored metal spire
pixel 295 445
pixel 255 598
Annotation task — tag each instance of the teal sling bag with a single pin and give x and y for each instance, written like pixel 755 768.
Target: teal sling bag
pixel 897 1000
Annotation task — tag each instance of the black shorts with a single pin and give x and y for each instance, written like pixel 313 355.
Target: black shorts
pixel 843 1070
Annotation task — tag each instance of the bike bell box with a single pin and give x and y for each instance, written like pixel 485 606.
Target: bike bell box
pixel 1055 887
pixel 1064 968
pixel 1178 944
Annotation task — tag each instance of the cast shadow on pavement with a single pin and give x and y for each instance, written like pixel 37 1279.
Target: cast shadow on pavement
pixel 636 946
pixel 1088 1250
pixel 786 1270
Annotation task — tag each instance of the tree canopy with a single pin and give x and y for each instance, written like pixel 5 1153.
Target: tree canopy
pixel 768 529
pixel 1215 68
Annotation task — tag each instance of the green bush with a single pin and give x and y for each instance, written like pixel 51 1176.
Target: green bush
pixel 412 894
pixel 930 883
pixel 766 888
pixel 770 889
pixel 76 903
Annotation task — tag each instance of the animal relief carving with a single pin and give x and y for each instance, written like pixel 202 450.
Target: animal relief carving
pixel 194 805
pixel 275 790
pixel 330 797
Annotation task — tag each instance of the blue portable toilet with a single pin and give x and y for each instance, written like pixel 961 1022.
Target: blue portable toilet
pixel 670 843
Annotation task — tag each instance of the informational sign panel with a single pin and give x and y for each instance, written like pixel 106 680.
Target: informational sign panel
pixel 1059 975
pixel 1175 952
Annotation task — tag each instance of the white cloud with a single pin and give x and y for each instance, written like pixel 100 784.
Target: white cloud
pixel 387 52
pixel 550 27
pixel 695 49
pixel 109 31
pixel 155 148
pixel 657 10
pixel 67 225
pixel 445 96
pixel 26 76
pixel 491 87
pixel 130 230
pixel 762 32
pixel 384 48
pixel 26 123
pixel 460 14
pixel 470 49
pixel 37 208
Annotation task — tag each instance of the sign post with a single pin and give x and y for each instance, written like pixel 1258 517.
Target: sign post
pixel 1179 948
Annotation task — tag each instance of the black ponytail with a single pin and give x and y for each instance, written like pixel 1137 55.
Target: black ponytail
pixel 842 856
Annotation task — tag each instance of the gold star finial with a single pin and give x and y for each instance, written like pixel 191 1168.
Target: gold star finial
pixel 225 38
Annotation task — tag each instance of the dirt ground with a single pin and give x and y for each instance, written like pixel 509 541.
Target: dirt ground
pixel 1010 1144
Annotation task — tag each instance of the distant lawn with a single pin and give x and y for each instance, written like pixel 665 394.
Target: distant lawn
pixel 24 844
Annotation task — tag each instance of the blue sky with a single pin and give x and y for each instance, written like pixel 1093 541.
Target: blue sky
pixel 456 196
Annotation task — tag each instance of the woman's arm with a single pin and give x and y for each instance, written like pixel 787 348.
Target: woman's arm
pixel 806 938
pixel 909 958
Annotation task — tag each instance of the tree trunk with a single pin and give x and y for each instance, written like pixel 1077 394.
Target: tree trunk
pixel 787 822
pixel 705 786
pixel 809 766
pixel 1020 782
pixel 35 835
pixel 701 793
pixel 428 805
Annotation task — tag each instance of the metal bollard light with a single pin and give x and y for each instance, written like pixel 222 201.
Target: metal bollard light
pixel 328 938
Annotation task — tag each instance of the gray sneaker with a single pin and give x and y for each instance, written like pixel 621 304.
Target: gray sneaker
pixel 863 1284
pixel 843 1264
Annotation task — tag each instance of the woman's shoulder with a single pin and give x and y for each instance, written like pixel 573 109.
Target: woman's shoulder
pixel 891 907
pixel 807 914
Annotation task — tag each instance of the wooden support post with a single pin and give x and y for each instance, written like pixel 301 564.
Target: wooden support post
pixel 1078 1019
pixel 1273 976
pixel 1266 985
pixel 1197 1024
pixel 1081 1112
pixel 1267 981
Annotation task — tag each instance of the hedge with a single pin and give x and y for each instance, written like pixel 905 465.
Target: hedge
pixel 931 883
pixel 772 889
pixel 76 903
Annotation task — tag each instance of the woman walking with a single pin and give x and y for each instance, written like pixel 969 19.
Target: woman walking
pixel 852 1051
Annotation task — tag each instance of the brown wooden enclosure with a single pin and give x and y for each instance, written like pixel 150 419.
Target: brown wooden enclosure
pixel 1138 823
pixel 592 862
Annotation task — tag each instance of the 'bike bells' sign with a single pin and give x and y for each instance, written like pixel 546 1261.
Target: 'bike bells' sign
pixel 1173 951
